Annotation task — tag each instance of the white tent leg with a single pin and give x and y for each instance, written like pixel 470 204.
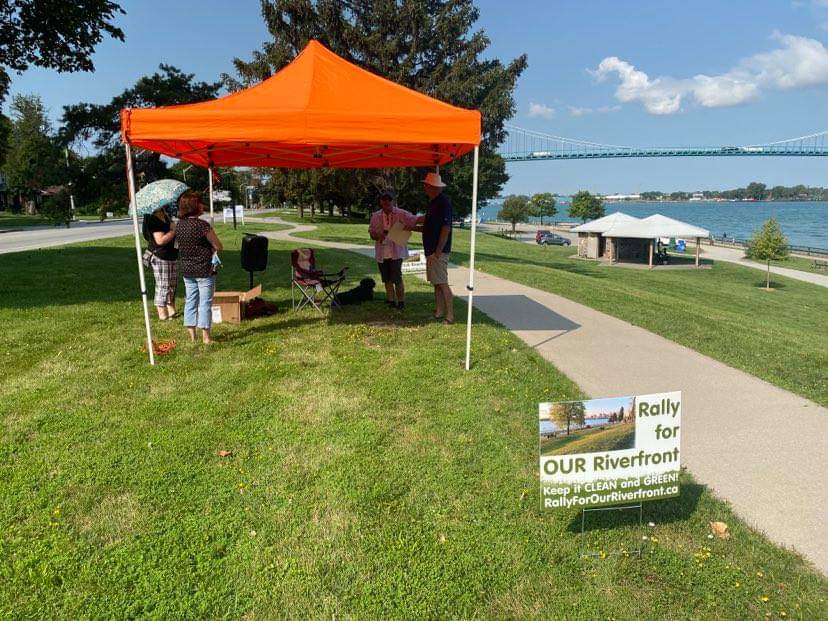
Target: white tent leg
pixel 210 186
pixel 138 252
pixel 470 286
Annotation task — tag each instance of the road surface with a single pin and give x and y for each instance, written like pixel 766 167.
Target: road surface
pixel 46 237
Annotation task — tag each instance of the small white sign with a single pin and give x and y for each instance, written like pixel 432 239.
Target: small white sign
pixel 227 214
pixel 216 312
pixel 221 196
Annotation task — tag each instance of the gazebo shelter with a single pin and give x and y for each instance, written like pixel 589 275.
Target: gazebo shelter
pixel 320 111
pixel 592 244
pixel 636 239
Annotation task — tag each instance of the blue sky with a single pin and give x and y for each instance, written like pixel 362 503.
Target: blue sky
pixel 763 63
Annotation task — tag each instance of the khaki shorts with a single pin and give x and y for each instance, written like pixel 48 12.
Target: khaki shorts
pixel 437 269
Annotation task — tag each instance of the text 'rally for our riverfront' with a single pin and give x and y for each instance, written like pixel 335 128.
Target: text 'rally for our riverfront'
pixel 609 451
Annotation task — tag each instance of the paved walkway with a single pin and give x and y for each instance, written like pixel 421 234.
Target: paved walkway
pixel 44 237
pixel 762 448
pixel 734 255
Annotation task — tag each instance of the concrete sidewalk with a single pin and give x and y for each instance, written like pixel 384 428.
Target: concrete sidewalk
pixel 763 449
pixel 733 255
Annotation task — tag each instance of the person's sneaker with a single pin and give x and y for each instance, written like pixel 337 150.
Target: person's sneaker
pixel 401 305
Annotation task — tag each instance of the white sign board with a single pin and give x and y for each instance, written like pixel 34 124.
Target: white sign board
pixel 603 452
pixel 221 196
pixel 228 213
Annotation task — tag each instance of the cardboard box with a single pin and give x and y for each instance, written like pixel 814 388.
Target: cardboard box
pixel 229 305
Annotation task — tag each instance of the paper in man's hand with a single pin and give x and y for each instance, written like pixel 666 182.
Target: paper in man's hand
pixel 398 234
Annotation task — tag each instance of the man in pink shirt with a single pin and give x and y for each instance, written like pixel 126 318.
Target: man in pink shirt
pixel 389 254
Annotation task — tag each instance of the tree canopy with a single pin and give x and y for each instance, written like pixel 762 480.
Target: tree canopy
pixel 568 413
pixel 543 205
pixel 427 45
pixel 33 159
pixel 516 208
pixel 586 206
pixel 53 34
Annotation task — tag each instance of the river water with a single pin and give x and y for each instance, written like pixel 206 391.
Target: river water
pixel 803 223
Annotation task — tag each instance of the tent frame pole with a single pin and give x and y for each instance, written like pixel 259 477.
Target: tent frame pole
pixel 138 252
pixel 470 286
pixel 210 190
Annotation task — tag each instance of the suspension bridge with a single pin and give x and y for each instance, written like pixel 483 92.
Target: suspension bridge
pixel 523 145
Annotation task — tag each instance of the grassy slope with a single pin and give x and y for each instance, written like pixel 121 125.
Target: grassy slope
pixel 722 312
pixel 370 476
pixel 610 439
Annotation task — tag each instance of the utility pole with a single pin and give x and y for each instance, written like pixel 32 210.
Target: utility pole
pixel 71 195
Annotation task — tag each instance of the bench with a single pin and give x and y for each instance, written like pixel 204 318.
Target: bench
pixel 821 264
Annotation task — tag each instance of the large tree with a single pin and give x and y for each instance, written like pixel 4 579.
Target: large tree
pixel 756 190
pixel 768 244
pixel 568 413
pixel 586 206
pixel 53 34
pixel 427 45
pixel 516 208
pixel 544 205
pixel 34 158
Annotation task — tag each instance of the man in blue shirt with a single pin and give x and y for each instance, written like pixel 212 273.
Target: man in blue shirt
pixel 437 245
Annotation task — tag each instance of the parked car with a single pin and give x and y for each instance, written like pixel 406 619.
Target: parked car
pixel 540 233
pixel 550 239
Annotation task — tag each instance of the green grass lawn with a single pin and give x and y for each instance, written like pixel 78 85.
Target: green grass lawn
pixel 612 438
pixel 800 263
pixel 17 220
pixel 370 476
pixel 723 312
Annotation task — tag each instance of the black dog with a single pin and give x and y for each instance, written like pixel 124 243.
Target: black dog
pixel 363 292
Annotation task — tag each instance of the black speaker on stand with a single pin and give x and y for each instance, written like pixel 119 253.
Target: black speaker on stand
pixel 253 254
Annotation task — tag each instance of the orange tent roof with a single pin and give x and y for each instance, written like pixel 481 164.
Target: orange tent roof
pixel 319 111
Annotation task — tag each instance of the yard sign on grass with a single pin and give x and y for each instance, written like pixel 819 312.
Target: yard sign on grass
pixel 613 451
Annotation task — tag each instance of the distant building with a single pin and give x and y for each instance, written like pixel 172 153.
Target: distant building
pixel 622 197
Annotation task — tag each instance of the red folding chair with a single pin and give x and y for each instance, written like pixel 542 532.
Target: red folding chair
pixel 317 288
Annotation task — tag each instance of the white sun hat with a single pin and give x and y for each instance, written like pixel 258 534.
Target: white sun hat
pixel 434 179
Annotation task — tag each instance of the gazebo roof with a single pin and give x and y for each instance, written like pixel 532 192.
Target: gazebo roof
pixel 319 111
pixel 656 226
pixel 602 224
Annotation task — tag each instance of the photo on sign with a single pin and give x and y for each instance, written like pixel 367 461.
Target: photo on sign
pixel 610 451
pixel 587 426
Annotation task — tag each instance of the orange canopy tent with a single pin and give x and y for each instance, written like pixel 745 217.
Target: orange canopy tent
pixel 320 111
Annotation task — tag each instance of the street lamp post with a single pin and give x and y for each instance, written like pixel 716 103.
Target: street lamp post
pixel 71 195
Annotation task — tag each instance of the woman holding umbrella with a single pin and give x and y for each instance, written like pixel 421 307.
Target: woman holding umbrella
pixel 158 202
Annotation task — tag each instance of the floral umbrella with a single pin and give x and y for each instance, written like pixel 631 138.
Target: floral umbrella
pixel 163 193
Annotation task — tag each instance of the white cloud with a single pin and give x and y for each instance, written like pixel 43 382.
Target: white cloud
pixel 541 110
pixel 797 63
